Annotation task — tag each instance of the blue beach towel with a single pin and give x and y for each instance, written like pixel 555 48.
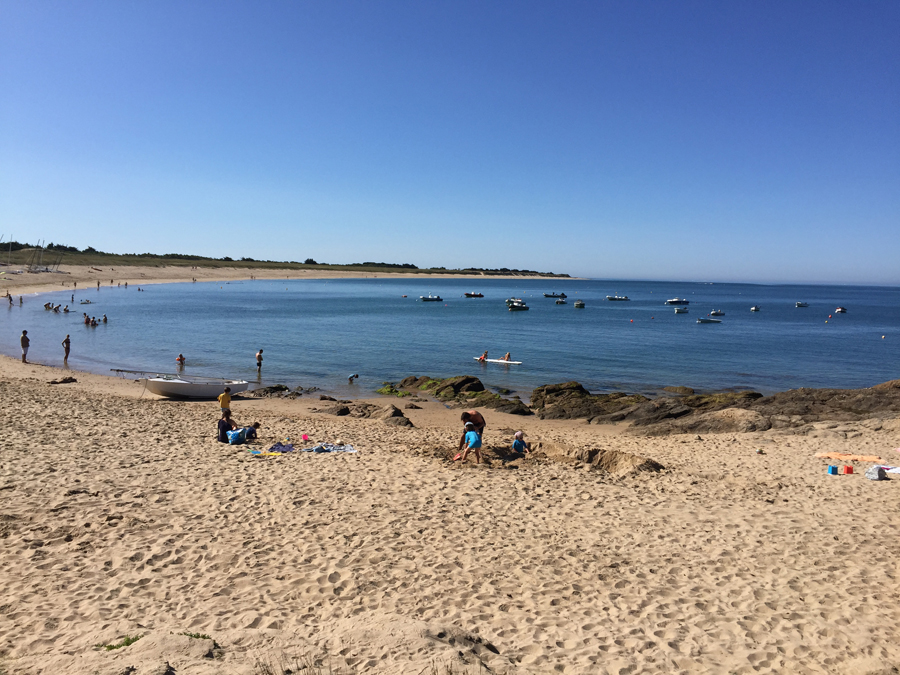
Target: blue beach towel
pixel 281 447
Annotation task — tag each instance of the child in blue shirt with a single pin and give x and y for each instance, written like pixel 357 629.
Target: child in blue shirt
pixel 473 442
pixel 519 445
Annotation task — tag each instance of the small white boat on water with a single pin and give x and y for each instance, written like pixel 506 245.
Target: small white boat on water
pixel 503 361
pixel 517 306
pixel 755 308
pixel 678 301
pixel 717 312
pixel 555 295
pixel 840 310
pixel 579 304
pixel 560 301
pixel 801 304
pixel 681 310
pixel 707 320
pixel 187 386
pixel 431 298
pixel 617 298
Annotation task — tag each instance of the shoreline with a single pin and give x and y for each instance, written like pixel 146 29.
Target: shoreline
pixel 87 276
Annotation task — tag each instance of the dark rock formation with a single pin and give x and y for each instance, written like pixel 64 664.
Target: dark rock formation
pixel 572 401
pixel 465 390
pixel 683 391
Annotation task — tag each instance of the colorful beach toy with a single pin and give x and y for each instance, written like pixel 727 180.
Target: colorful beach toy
pixel 832 470
pixel 847 469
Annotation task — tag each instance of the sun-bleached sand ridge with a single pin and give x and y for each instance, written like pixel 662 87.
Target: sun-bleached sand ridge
pixel 120 515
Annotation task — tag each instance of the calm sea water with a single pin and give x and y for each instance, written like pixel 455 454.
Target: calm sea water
pixel 315 333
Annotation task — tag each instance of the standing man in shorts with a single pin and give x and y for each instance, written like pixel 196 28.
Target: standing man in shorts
pixel 66 345
pixel 24 341
pixel 474 417
pixel 225 402
pixel 259 360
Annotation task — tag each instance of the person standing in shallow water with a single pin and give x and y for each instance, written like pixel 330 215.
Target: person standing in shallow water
pixel 25 342
pixel 259 359
pixel 66 345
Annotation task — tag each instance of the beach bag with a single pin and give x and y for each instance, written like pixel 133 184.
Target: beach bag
pixel 876 473
pixel 237 437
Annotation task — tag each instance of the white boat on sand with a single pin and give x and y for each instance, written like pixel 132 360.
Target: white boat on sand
pixel 186 386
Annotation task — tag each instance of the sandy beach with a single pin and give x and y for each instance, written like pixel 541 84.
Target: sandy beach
pixel 87 277
pixel 121 515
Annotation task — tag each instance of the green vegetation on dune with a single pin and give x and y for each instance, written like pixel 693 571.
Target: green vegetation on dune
pixel 54 254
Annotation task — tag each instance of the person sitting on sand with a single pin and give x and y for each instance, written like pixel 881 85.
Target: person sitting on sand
pixel 473 443
pixel 225 401
pixel 476 420
pixel 519 446
pixel 226 424
pixel 483 357
pixel 251 431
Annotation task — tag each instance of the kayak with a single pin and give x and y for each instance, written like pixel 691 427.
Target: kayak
pixel 515 363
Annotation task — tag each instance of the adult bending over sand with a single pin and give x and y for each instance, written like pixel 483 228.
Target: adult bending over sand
pixel 477 421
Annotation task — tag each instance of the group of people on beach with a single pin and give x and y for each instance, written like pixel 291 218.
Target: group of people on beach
pixel 473 434
pixel 227 426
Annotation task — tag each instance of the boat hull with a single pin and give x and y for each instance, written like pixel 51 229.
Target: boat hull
pixel 178 388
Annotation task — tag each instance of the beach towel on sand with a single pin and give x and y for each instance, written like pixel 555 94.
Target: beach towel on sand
pixel 330 447
pixel 281 447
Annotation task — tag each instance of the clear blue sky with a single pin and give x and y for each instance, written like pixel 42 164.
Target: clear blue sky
pixel 753 141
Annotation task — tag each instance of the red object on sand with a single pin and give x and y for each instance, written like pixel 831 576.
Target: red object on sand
pixel 847 469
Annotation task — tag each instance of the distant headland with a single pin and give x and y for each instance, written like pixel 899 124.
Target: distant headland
pixel 43 257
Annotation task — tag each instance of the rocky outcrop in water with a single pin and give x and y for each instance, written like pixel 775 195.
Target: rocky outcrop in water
pixel 464 391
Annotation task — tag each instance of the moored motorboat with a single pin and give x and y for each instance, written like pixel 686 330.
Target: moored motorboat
pixel 555 295
pixel 560 301
pixel 517 306
pixel 510 301
pixel 755 308
pixel 617 298
pixel 185 386
pixel 717 312
pixel 474 295
pixel 681 310
pixel 840 310
pixel 578 304
pixel 678 301
pixel 431 298
pixel 708 320
pixel 801 304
